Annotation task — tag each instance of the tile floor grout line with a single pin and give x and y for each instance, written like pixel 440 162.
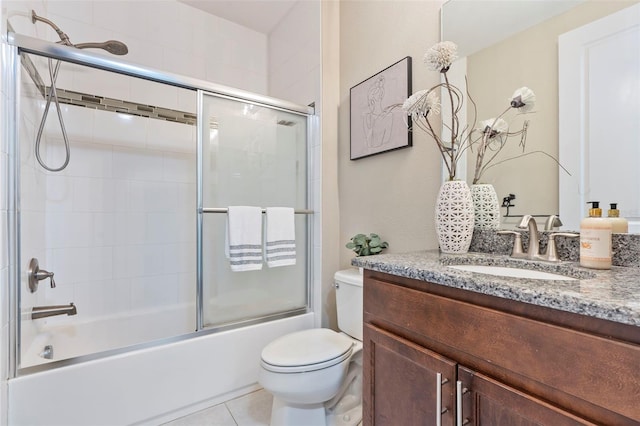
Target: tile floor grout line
pixel 231 413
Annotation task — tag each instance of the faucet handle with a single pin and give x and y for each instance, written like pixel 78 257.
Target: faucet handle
pixel 517 242
pixel 552 252
pixel 42 274
pixel 564 234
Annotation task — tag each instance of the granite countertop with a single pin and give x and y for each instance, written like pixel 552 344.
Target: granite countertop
pixel 612 295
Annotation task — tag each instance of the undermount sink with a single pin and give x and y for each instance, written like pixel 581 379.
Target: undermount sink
pixel 511 272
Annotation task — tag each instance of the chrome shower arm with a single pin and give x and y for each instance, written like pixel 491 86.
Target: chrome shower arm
pixel 112 46
pixel 64 38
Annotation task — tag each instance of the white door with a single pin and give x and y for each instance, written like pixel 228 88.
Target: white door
pixel 599 104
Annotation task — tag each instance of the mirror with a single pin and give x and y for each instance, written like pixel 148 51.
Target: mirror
pixel 505 45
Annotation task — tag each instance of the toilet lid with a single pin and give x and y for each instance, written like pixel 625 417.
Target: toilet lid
pixel 306 350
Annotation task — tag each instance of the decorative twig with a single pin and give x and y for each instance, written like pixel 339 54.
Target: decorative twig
pixel 423 104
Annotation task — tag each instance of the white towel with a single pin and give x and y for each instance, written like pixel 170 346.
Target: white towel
pixel 244 238
pixel 280 241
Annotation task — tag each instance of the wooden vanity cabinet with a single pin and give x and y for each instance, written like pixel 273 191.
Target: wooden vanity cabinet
pixel 483 360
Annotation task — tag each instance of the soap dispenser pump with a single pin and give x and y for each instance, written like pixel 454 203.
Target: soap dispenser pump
pixel 619 225
pixel 595 239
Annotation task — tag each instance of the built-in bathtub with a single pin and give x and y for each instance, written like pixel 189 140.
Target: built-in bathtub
pixel 70 337
pixel 143 386
pixel 142 380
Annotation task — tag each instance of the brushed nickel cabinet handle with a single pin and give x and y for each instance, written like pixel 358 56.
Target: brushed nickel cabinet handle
pixel 439 410
pixel 459 392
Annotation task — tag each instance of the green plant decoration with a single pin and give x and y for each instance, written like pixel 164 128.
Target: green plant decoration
pixel 364 245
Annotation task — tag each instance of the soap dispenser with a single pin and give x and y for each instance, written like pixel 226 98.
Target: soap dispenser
pixel 619 225
pixel 595 239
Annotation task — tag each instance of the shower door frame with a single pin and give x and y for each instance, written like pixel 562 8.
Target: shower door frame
pixel 15 46
pixel 202 210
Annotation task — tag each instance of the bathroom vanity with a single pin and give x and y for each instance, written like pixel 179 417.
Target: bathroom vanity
pixel 444 346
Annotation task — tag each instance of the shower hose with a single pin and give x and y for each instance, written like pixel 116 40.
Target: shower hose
pixel 52 94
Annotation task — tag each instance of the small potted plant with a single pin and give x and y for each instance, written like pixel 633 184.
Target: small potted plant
pixel 364 245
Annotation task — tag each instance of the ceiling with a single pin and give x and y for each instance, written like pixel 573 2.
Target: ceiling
pixel 259 15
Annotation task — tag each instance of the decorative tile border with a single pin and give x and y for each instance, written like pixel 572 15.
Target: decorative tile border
pixel 102 103
pixel 125 107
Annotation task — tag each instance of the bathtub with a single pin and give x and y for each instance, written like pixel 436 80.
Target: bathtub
pixel 145 386
pixel 73 336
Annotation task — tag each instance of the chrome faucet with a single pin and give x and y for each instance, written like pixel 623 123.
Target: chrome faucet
pixel 50 311
pixel 528 221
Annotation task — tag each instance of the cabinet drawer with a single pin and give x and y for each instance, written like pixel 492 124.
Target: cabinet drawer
pixel 560 364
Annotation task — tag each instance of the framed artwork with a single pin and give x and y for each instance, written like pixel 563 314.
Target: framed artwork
pixel 376 125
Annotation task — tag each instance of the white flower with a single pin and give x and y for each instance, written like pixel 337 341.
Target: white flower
pixel 421 103
pixel 440 56
pixel 523 99
pixel 488 126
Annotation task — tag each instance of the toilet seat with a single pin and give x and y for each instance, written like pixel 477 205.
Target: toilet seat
pixel 307 350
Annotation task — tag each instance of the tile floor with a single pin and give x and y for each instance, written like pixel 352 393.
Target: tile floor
pixel 253 409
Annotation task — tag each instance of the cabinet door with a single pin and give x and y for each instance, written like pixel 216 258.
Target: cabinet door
pixel 486 402
pixel 401 385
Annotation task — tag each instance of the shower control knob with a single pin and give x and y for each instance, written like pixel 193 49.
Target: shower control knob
pixel 36 274
pixel 42 274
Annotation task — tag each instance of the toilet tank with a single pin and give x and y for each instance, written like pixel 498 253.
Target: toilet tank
pixel 348 285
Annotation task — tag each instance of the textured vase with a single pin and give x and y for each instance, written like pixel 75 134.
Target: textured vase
pixel 454 217
pixel 486 207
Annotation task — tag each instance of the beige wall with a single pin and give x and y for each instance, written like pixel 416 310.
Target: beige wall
pixel 530 59
pixel 330 217
pixel 392 194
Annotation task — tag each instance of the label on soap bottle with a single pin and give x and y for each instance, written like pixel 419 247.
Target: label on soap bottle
pixel 595 247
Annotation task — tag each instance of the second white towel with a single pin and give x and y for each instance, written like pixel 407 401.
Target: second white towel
pixel 280 241
pixel 244 238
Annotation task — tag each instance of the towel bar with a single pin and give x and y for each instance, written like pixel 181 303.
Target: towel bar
pixel 225 210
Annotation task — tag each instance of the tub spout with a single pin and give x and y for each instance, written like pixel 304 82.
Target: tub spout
pixel 50 311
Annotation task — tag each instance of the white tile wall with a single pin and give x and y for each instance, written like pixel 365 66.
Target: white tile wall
pixel 165 35
pixel 294 62
pixel 117 225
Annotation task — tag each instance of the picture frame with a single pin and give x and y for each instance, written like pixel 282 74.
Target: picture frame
pixel 375 125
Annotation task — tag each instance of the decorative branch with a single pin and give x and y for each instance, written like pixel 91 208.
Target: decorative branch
pixel 493 133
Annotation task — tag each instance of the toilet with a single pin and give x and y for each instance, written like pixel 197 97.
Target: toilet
pixel 315 376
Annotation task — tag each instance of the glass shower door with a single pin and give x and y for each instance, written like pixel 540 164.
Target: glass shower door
pixel 117 225
pixel 252 155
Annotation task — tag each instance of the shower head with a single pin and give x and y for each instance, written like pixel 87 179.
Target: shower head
pixel 112 46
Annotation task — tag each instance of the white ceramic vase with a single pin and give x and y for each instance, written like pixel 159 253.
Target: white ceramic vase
pixel 454 217
pixel 486 207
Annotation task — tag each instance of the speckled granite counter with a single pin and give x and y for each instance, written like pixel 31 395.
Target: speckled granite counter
pixel 613 295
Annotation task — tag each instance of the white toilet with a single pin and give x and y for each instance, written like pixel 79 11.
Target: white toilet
pixel 315 375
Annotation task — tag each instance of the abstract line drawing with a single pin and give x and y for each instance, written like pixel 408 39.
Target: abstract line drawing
pixel 376 126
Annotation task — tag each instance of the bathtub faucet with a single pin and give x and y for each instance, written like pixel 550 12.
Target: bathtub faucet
pixel 50 311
